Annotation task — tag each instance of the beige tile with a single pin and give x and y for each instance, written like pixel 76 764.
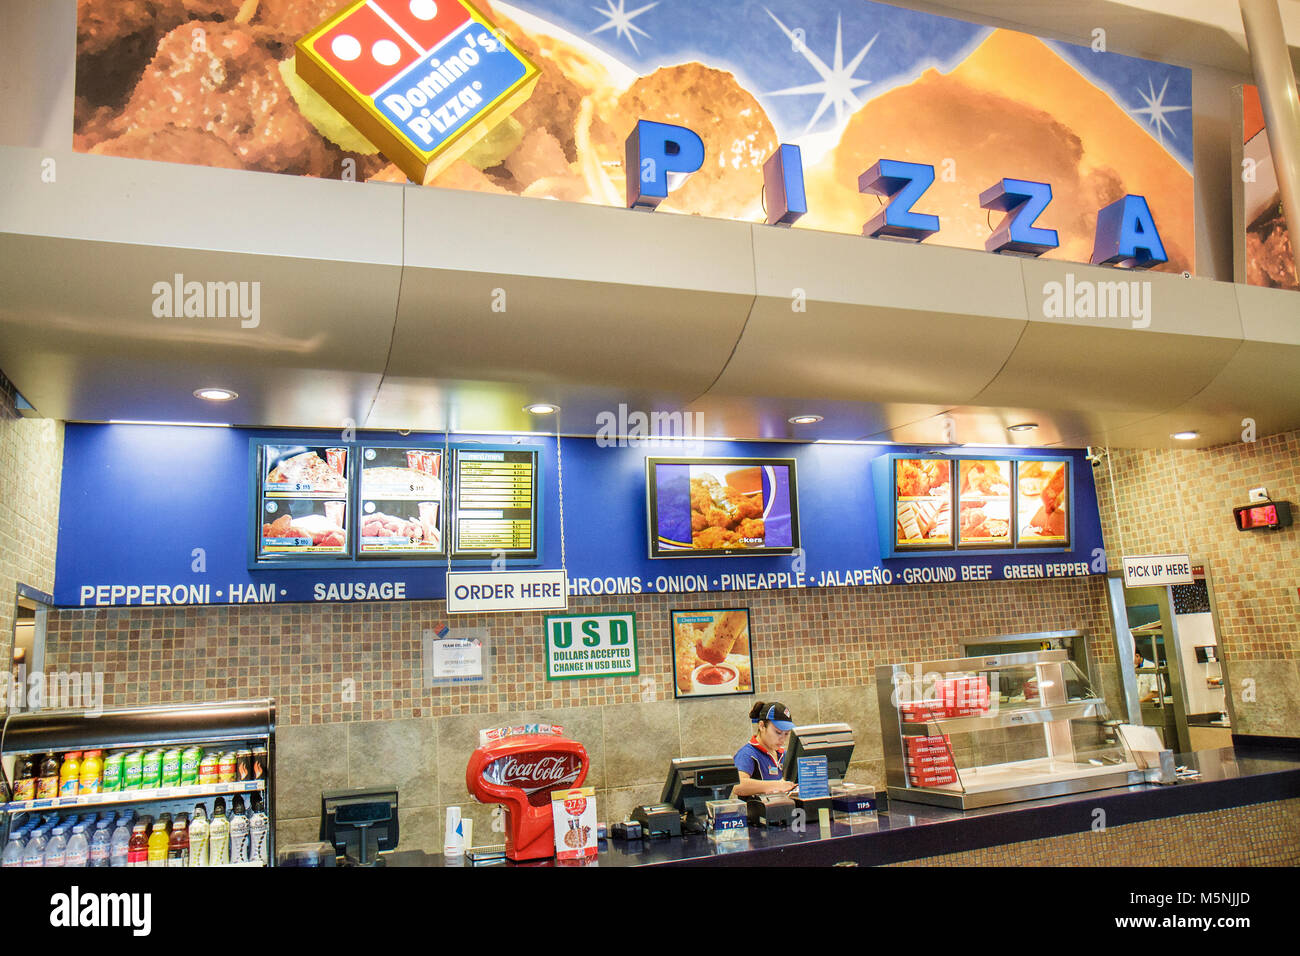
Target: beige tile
pixel 640 740
pixel 421 829
pixel 309 758
pixel 1275 687
pixel 713 725
pixel 856 706
pixel 618 804
pixel 401 752
pixel 290 832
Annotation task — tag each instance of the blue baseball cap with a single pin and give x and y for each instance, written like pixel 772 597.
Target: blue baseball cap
pixel 779 716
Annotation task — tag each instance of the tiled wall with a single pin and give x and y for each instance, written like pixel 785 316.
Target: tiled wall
pixel 31 464
pixel 816 650
pixel 1264 834
pixel 1156 502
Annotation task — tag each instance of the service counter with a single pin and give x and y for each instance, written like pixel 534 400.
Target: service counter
pixel 1135 825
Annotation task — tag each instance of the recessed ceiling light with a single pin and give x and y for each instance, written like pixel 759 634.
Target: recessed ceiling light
pixel 1023 427
pixel 804 419
pixel 541 408
pixel 215 394
pixel 1185 436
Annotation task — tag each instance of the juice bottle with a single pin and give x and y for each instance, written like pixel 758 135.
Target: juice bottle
pixel 47 784
pixel 158 841
pixel 137 851
pixel 25 771
pixel 70 774
pixel 178 848
pixel 199 837
pixel 92 771
pixel 219 835
pixel 113 772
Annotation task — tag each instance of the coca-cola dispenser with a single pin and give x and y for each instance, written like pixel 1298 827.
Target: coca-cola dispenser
pixel 520 772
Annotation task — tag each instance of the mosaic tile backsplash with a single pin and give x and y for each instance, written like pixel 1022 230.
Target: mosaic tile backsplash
pixel 346 662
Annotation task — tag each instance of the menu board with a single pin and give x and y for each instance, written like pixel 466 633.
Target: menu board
pixel 1042 503
pixel 984 503
pixel 401 502
pixel 922 503
pixel 720 506
pixel 303 501
pixel 495 495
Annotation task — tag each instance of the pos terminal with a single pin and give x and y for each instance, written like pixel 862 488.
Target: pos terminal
pixel 692 783
pixel 832 741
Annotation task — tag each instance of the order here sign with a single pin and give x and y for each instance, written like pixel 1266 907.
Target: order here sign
pixel 1157 570
pixel 471 592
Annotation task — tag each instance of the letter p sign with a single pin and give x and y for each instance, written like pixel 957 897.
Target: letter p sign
pixel 658 159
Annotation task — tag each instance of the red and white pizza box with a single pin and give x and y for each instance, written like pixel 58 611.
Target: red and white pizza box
pixel 925 778
pixel 929 760
pixel 924 710
pixel 574 813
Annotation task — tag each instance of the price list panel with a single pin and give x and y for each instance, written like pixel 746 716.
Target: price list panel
pixel 495 503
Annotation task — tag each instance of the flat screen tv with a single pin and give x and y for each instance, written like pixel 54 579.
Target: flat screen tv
pixel 712 507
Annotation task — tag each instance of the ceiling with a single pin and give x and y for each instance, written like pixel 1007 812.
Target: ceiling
pixel 397 307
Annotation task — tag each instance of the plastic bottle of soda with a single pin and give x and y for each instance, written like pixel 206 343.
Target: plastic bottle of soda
pixel 101 843
pixel 47 784
pixel 219 835
pixel 56 849
pixel 199 837
pixel 34 851
pixel 178 847
pixel 158 841
pixel 78 851
pixel 70 774
pixel 258 825
pixel 137 850
pixel 238 831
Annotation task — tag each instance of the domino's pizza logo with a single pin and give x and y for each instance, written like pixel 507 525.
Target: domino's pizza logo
pixel 426 66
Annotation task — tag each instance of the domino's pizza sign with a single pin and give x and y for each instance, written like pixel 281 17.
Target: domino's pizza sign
pixel 422 79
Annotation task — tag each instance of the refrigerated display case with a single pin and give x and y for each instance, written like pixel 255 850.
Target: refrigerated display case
pixel 229 727
pixel 981 731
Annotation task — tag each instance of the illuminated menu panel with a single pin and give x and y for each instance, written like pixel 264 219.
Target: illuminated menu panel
pixel 304 502
pixel 495 503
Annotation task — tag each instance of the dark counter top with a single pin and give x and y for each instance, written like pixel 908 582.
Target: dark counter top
pixel 1228 777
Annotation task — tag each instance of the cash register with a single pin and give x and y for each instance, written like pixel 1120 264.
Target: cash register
pixel 692 782
pixel 832 741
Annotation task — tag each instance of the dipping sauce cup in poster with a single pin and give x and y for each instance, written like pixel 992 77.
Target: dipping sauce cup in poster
pixel 521 772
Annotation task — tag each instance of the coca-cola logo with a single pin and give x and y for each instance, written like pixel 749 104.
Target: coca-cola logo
pixel 533 772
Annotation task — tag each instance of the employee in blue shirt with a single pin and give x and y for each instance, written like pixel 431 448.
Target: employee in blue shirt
pixel 759 761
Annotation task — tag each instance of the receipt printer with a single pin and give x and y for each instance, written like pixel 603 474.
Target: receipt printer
pixel 658 820
pixel 770 810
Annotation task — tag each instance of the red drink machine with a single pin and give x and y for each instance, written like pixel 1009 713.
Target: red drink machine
pixel 520 772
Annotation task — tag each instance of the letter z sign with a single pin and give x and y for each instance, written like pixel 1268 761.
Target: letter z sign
pixel 422 80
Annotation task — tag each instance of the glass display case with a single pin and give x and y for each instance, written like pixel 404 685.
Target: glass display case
pixel 980 731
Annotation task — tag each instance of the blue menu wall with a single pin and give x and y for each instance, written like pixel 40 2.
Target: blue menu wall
pixel 161 515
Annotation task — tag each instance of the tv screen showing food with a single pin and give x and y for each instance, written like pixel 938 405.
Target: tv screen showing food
pixel 984 503
pixel 922 503
pixel 701 507
pixel 1042 503
pixel 303 502
pixel 401 502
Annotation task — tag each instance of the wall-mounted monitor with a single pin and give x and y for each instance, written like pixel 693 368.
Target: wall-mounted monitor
pixel 494 503
pixel 712 507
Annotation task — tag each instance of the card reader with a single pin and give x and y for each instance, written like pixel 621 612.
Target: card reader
pixel 770 810
pixel 658 820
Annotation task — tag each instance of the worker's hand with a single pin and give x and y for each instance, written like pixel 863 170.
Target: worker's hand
pixel 783 786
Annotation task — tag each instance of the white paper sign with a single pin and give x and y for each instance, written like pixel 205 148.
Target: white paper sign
pixel 475 592
pixel 1157 570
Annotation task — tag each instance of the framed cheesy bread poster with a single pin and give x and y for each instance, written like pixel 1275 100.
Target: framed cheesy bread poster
pixel 712 654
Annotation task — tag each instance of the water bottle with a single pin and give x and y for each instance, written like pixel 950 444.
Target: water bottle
pixel 101 842
pixel 119 845
pixel 13 854
pixel 34 851
pixel 56 850
pixel 78 851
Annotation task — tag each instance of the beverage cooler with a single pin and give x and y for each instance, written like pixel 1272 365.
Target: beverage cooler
pixel 188 785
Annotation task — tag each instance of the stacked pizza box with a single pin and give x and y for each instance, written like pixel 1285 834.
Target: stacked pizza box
pixel 929 760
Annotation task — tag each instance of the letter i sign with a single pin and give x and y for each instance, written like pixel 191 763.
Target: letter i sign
pixel 421 79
